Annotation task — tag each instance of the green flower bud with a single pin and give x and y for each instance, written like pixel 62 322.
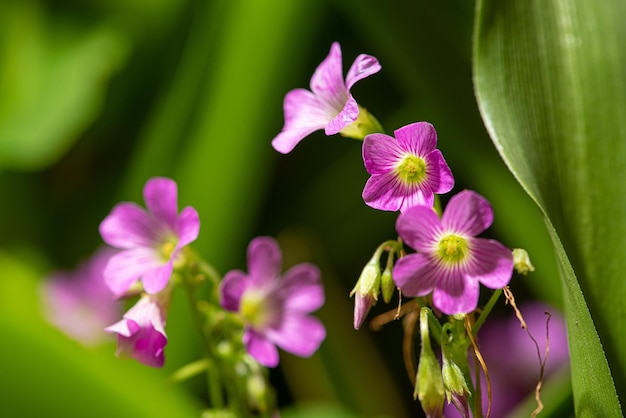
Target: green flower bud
pixel 387 285
pixel 429 386
pixel 521 261
pixel 456 387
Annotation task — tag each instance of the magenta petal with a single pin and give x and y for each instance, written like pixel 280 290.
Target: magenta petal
pixel 363 66
pixel 456 294
pixel 128 226
pixel 304 114
pixel 300 335
pixel 301 288
pixel 419 227
pixel 141 333
pixel 260 348
pixel 417 138
pixel 327 81
pixel 439 176
pixel 161 197
pixel 492 263
pixel 468 213
pixel 231 289
pixel 381 153
pixel 345 117
pixel 187 226
pixel 156 279
pixel 415 275
pixel 126 267
pixel 264 260
pixel 383 192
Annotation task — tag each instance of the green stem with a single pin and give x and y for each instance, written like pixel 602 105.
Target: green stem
pixel 213 373
pixel 486 311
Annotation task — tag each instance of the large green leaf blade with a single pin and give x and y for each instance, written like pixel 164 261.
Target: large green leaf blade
pixel 550 78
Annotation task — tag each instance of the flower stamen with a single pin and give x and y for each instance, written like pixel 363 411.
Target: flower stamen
pixel 411 169
pixel 452 249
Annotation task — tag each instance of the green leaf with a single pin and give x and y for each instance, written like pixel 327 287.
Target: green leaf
pixel 550 78
pixel 52 78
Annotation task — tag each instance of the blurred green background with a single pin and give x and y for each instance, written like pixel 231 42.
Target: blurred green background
pixel 97 96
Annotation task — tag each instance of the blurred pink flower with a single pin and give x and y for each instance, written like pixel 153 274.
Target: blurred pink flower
pixel 511 356
pixel 274 309
pixel 149 240
pixel 78 302
pixel 141 333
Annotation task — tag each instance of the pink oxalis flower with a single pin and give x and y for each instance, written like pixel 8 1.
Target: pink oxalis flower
pixel 150 241
pixel 141 332
pixel 78 302
pixel 451 261
pixel 406 170
pixel 329 105
pixel 274 309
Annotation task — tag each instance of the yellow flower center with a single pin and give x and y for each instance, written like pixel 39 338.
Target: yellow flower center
pixel 167 248
pixel 412 169
pixel 253 309
pixel 452 249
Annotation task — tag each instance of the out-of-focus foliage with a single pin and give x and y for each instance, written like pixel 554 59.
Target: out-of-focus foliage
pixel 53 78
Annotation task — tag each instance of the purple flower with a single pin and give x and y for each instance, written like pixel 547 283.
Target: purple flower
pixel 275 310
pixel 78 302
pixel 150 240
pixel 450 261
pixel 406 170
pixel 329 105
pixel 141 334
pixel 511 356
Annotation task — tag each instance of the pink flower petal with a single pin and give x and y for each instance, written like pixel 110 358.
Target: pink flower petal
pixel 304 114
pixel 141 333
pixel 417 138
pixel 187 226
pixel 161 197
pixel 439 177
pixel 156 279
pixel 126 267
pixel 264 261
pixel 415 275
pixel 299 334
pixel 327 82
pixel 468 213
pixel 456 294
pixel 260 348
pixel 128 226
pixel 301 288
pixel 383 192
pixel 345 117
pixel 231 289
pixel 363 66
pixel 381 153
pixel 419 227
pixel 492 263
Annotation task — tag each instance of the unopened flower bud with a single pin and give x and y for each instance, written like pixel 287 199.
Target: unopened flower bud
pixel 456 387
pixel 429 388
pixel 366 290
pixel 521 261
pixel 387 285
